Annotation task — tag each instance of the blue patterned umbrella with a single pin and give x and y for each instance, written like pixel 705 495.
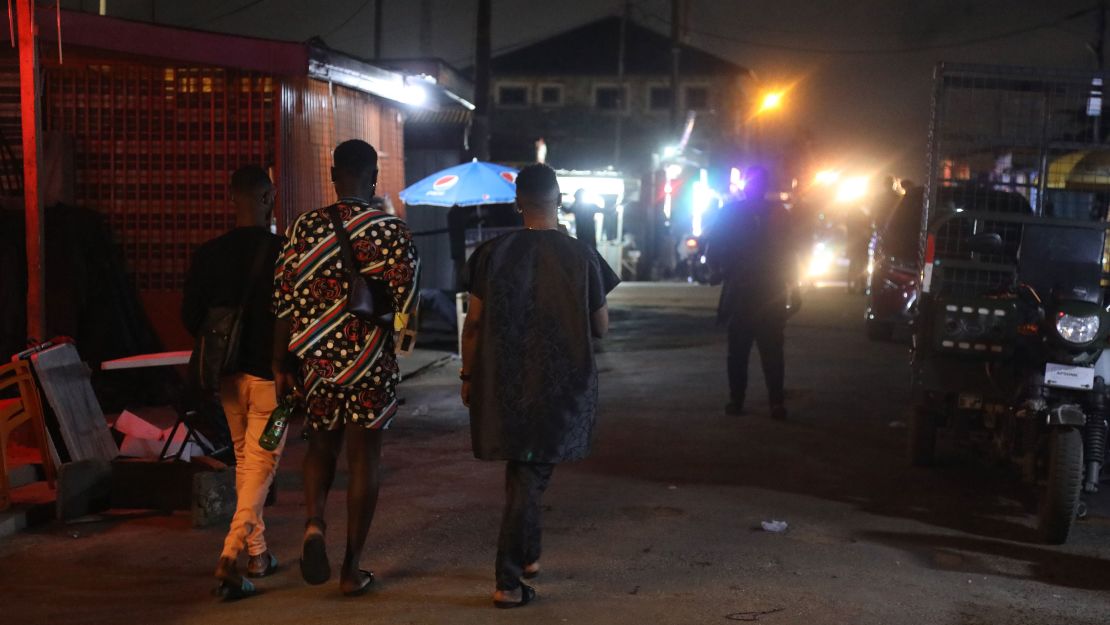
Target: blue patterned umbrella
pixel 468 184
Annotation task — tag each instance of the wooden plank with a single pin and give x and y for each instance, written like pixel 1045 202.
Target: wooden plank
pixel 142 361
pixel 65 381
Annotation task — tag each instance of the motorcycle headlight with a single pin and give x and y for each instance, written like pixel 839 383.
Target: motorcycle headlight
pixel 1077 330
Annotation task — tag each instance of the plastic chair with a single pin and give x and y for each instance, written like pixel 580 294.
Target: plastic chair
pixel 14 413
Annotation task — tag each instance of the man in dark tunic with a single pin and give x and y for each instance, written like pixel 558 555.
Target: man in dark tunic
pixel 537 297
pixel 753 249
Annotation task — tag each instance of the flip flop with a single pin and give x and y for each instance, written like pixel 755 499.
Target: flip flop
pixel 234 587
pixel 527 595
pixel 315 568
pixel 228 591
pixel 367 582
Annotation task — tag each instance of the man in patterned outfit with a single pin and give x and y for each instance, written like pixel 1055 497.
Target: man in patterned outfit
pixel 348 366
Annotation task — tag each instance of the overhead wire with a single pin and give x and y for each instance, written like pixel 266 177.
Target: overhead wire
pixel 234 11
pixel 359 10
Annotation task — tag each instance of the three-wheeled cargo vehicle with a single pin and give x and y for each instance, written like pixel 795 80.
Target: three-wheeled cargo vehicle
pixel 1008 353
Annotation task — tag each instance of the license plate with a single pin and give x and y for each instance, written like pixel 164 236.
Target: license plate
pixel 843 262
pixel 1069 376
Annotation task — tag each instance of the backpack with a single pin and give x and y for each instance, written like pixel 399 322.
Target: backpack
pixel 216 350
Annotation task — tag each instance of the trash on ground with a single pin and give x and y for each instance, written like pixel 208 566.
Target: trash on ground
pixel 775 527
pixel 143 437
pixel 751 617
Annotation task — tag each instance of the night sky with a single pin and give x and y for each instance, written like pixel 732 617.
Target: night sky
pixel 862 68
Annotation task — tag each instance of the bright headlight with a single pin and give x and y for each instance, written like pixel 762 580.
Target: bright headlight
pixel 1077 329
pixel 821 261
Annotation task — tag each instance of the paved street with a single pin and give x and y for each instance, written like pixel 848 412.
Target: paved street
pixel 661 525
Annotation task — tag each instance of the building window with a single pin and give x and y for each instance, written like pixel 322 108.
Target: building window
pixel 697 98
pixel 512 95
pixel 551 95
pixel 659 98
pixel 610 98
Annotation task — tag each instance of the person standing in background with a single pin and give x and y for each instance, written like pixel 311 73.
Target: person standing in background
pixel 585 224
pixel 753 248
pixel 233 268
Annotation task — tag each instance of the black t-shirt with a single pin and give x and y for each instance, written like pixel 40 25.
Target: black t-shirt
pixel 534 390
pixel 753 244
pixel 218 276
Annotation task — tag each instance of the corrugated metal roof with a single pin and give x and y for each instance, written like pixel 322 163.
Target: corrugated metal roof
pixel 451 116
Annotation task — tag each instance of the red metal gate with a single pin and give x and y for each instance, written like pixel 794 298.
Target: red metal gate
pixel 154 148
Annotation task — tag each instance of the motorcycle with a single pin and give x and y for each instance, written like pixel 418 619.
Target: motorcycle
pixel 693 264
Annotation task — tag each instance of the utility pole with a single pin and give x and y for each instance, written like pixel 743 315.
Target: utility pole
pixel 620 85
pixel 32 165
pixel 480 139
pixel 676 53
pixel 1099 46
pixel 425 28
pixel 378 29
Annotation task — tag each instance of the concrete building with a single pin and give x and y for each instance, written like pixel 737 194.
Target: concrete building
pixel 566 90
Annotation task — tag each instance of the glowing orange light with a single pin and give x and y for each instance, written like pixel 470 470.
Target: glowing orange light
pixel 771 101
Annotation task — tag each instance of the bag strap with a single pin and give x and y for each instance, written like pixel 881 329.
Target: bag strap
pixel 344 239
pixel 252 278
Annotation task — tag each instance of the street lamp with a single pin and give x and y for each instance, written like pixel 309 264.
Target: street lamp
pixel 771 100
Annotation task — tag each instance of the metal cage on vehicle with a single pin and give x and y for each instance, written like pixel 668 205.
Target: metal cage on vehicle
pixel 1009 147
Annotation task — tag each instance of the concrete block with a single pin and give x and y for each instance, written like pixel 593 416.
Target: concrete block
pixel 150 485
pixel 213 497
pixel 84 487
pixel 206 488
pixel 12 521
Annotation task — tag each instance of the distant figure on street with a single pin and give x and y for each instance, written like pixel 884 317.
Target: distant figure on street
pixel 225 272
pixel 753 249
pixel 537 297
pixel 585 224
pixel 348 366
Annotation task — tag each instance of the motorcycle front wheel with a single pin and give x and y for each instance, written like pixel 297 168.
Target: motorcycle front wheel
pixel 1060 498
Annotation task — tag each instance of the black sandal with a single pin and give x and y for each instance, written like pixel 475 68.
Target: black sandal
pixel 315 568
pixel 527 595
pixel 367 582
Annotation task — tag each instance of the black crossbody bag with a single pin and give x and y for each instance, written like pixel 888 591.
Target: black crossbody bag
pixel 367 299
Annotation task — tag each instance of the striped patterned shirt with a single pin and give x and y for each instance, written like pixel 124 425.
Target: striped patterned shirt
pixel 311 286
